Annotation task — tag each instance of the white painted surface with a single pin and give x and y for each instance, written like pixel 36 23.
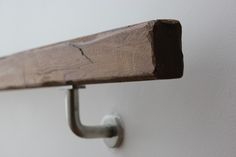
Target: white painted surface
pixel 191 117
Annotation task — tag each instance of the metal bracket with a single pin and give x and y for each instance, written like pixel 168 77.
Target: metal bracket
pixel 110 129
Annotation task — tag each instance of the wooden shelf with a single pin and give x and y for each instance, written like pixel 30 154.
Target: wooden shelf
pixel 145 51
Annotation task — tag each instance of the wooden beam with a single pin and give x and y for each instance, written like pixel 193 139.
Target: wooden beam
pixel 145 51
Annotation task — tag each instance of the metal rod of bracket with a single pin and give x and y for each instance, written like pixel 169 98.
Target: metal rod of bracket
pixel 111 129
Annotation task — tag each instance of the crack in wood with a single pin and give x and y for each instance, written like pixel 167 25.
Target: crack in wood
pixel 82 52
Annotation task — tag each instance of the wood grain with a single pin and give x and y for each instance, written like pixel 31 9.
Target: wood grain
pixel 145 51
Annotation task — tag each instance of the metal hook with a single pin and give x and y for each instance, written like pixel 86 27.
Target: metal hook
pixel 111 129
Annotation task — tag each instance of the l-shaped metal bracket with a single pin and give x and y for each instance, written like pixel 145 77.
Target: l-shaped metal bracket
pixel 111 129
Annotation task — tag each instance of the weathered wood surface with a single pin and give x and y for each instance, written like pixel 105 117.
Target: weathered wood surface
pixel 145 51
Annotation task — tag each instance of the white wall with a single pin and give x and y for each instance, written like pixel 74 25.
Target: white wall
pixel 191 117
